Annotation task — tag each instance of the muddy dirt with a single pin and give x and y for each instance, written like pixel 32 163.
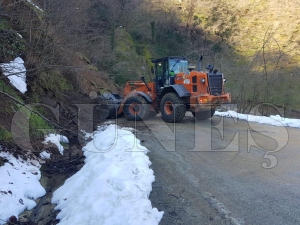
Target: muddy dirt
pixel 54 173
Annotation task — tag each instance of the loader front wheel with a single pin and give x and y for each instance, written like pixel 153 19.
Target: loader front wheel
pixel 136 108
pixel 172 108
pixel 204 115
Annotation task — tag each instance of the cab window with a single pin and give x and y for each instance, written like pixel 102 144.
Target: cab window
pixel 178 65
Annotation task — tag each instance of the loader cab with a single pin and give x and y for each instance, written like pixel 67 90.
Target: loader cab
pixel 167 68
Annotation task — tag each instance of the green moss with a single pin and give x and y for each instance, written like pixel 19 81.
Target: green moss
pixel 124 42
pixel 5 135
pixel 37 124
pixel 51 81
pixel 30 122
pixel 9 90
pixel 127 63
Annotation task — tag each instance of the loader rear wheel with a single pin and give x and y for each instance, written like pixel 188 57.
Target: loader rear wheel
pixel 172 108
pixel 204 115
pixel 136 108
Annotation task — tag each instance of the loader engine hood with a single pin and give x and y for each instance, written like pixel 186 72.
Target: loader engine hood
pixel 215 82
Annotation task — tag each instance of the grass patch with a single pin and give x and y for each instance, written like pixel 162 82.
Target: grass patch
pixel 52 81
pixel 5 135
pixel 37 124
pixel 5 87
pixel 28 121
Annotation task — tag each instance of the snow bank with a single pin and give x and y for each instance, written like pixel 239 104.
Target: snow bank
pixel 87 135
pixel 16 67
pixel 112 187
pixel 272 120
pixel 57 140
pixel 45 155
pixel 19 186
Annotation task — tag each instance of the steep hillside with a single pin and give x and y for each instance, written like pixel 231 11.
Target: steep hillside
pixel 57 75
pixel 264 41
pixel 267 43
pixel 71 48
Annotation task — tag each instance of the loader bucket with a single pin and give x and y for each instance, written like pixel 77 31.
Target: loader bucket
pixel 109 104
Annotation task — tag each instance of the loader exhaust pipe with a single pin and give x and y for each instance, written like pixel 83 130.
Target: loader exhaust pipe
pixel 199 63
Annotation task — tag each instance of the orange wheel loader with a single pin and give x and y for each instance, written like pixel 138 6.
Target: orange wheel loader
pixel 178 87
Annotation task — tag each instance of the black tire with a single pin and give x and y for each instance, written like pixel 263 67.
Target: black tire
pixel 204 115
pixel 136 108
pixel 172 108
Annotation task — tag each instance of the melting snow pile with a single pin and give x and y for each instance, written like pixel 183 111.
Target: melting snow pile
pixel 55 139
pixel 16 72
pixel 19 186
pixel 113 186
pixel 272 120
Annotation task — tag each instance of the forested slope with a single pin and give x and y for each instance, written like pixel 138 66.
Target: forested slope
pixel 254 43
pixel 71 48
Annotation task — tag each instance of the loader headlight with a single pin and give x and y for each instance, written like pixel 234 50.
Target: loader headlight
pixel 202 80
pixel 202 100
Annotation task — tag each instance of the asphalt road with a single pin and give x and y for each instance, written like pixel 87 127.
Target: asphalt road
pixel 223 171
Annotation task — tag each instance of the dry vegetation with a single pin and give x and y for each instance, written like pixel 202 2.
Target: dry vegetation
pixel 254 43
